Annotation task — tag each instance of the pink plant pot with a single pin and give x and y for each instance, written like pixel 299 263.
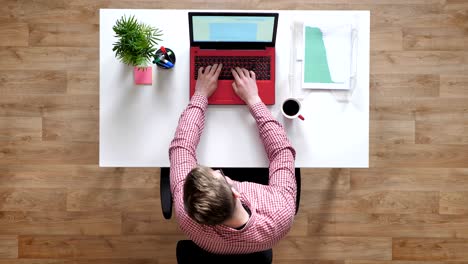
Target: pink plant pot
pixel 143 75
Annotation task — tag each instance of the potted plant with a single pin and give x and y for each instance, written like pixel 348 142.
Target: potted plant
pixel 136 46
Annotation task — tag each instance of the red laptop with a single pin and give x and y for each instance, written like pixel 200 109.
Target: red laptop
pixel 236 40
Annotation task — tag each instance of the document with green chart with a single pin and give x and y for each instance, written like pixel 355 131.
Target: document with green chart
pixel 327 57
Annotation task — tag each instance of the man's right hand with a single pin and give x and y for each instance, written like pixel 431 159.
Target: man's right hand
pixel 207 81
pixel 245 85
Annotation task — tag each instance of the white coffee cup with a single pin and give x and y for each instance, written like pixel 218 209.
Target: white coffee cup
pixel 291 108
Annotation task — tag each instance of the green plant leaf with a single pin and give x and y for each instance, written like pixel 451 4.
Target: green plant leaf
pixel 136 41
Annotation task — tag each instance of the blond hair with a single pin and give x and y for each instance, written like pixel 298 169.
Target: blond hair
pixel 207 199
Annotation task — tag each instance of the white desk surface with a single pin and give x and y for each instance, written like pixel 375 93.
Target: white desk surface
pixel 137 122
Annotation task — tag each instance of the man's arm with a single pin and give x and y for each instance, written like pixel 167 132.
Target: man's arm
pixel 277 146
pixel 182 150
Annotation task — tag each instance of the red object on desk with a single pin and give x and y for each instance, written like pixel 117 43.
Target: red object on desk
pixel 224 94
pixel 143 75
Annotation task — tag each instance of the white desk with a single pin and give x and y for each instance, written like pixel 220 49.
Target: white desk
pixel 137 123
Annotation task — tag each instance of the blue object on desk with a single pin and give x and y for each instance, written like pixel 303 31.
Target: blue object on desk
pixel 164 58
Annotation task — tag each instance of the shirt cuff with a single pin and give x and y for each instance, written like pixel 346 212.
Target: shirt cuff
pixel 199 100
pixel 257 109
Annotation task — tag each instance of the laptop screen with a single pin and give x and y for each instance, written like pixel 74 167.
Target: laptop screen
pixel 254 28
pixel 233 28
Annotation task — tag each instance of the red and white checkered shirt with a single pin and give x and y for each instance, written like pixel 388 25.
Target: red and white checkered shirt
pixel 272 206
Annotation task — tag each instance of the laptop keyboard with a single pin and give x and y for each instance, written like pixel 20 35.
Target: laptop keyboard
pixel 258 64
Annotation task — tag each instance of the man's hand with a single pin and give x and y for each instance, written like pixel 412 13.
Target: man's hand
pixel 207 81
pixel 245 85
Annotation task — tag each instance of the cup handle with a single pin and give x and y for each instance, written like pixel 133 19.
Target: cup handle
pixel 301 117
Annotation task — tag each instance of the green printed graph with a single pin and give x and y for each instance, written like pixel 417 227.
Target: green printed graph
pixel 316 68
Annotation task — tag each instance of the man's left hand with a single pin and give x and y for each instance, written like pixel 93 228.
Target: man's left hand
pixel 207 81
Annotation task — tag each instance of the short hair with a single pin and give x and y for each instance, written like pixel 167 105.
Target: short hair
pixel 207 199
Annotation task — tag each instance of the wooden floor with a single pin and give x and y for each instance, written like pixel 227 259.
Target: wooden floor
pixel 58 206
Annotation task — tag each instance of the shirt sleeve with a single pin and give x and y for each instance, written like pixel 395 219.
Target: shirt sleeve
pixel 182 150
pixel 281 154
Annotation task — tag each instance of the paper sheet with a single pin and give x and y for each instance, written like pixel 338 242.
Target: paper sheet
pixel 327 56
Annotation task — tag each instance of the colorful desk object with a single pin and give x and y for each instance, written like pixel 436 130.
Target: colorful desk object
pixel 164 58
pixel 143 75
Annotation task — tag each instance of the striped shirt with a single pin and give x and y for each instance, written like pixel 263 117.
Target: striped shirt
pixel 272 206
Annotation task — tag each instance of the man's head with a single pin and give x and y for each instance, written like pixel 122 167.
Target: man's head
pixel 208 197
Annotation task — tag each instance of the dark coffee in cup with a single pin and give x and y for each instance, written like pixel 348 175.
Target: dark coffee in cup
pixel 291 107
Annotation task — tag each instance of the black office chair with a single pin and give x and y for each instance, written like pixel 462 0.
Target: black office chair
pixel 188 252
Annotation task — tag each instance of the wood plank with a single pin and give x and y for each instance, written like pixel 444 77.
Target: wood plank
pixel 418 16
pixel 392 131
pixel 419 62
pixel 36 176
pixel 435 14
pixel 347 3
pixel 93 176
pixel 455 13
pixel 325 179
pixel 83 129
pixel 391 108
pixel 418 155
pixel 97 247
pixel 86 11
pixel 396 202
pixel 96 199
pixel 434 38
pixel 430 249
pixel 79 176
pixel 82 82
pixel 432 132
pixel 386 38
pixel 48 152
pixel 388 225
pixel 149 223
pixel 36 12
pixel 8 247
pixel 10 11
pixel 50 58
pixel 441 109
pixel 20 128
pixel 305 261
pixel 70 106
pixel 301 223
pixel 410 179
pixel 401 262
pixel 333 248
pixel 455 5
pixel 405 85
pixel 32 199
pixel 419 109
pixel 60 223
pixel 81 261
pixel 64 35
pixel 14 34
pixel 454 202
pixel 32 82
pixel 454 86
